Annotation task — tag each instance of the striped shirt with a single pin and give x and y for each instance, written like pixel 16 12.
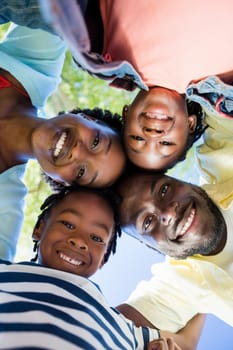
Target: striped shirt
pixel 42 308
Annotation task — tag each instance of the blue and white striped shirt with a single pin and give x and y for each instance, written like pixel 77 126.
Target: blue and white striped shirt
pixel 42 308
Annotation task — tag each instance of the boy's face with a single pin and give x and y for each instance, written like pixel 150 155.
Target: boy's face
pixel 75 235
pixel 75 148
pixel 156 128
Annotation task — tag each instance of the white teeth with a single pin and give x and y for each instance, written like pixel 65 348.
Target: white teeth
pixel 60 144
pixel 70 260
pixel 188 223
pixel 159 116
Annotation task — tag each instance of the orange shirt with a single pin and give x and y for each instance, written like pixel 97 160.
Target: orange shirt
pixel 170 42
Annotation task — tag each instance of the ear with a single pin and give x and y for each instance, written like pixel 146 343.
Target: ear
pixel 125 111
pixel 192 120
pixel 37 231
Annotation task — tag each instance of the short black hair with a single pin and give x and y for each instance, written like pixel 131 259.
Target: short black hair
pixel 112 120
pixel 195 108
pixel 108 194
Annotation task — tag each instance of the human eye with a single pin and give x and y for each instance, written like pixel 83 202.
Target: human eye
pixel 67 224
pixel 81 172
pixel 96 141
pixel 166 143
pixel 147 223
pixel 137 138
pixel 163 190
pixel 96 238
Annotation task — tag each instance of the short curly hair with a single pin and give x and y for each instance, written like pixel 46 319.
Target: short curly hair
pixel 108 194
pixel 104 116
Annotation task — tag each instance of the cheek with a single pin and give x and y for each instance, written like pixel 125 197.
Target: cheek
pixel 64 175
pixel 131 124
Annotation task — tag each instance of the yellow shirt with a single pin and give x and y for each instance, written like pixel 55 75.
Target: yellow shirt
pixel 179 289
pixel 215 159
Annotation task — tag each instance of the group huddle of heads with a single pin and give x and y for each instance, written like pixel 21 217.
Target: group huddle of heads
pixel 126 160
pixel 78 227
pixel 94 147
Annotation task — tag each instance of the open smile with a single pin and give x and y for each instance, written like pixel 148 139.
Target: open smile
pixel 157 116
pixel 70 259
pixel 64 142
pixel 59 145
pixel 186 223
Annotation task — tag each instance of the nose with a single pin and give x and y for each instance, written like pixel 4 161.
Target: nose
pixel 78 242
pixel 78 151
pixel 153 132
pixel 168 215
pixel 153 127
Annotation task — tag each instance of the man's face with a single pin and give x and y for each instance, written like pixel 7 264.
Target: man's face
pixel 172 216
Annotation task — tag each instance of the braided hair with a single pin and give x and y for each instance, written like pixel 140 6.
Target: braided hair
pixel 108 194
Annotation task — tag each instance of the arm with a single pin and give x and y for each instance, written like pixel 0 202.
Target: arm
pixel 163 344
pixel 187 337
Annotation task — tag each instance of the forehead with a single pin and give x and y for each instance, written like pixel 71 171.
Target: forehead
pixel 84 201
pixel 128 186
pixel 144 191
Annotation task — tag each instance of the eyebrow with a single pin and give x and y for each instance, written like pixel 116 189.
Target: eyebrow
pixel 135 150
pixel 153 184
pixel 109 146
pixel 96 173
pixel 76 213
pixel 136 215
pixel 140 152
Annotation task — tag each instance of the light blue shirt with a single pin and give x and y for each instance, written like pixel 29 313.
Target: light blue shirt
pixel 35 58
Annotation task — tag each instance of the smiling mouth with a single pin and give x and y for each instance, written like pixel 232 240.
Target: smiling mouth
pixel 59 145
pixel 187 223
pixel 70 260
pixel 157 115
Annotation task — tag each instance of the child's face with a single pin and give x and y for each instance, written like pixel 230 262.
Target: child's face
pixel 156 128
pixel 75 235
pixel 75 148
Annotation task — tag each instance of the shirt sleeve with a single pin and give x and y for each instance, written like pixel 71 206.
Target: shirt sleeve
pixel 35 58
pixel 12 193
pixel 214 155
pixel 168 299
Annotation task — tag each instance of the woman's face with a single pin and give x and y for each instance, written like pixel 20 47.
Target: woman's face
pixel 75 148
pixel 156 128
